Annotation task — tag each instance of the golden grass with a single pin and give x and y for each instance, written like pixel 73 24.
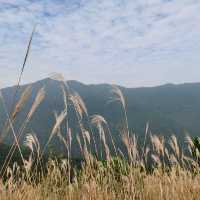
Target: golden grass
pixel 158 170
pixel 99 184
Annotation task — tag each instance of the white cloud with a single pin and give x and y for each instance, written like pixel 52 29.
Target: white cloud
pixel 139 42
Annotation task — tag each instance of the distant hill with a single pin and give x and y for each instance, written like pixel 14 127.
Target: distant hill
pixel 168 108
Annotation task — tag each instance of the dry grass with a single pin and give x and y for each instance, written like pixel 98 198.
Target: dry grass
pixel 100 183
pixel 157 170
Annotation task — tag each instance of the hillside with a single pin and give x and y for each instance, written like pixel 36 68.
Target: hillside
pixel 168 108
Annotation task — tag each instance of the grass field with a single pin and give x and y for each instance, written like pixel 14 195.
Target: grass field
pixel 157 169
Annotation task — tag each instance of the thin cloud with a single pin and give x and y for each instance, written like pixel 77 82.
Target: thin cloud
pixel 133 43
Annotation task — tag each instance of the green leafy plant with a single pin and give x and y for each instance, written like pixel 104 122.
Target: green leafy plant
pixel 196 148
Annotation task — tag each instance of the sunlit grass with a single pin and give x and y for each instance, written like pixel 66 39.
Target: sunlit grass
pixel 158 169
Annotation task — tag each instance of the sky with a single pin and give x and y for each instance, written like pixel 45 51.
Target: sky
pixel 129 42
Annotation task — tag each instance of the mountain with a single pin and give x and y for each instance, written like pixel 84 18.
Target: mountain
pixel 169 109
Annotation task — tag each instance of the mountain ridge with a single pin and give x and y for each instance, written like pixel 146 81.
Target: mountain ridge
pixel 107 84
pixel 169 109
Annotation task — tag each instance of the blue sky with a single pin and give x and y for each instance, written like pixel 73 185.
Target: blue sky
pixel 128 42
